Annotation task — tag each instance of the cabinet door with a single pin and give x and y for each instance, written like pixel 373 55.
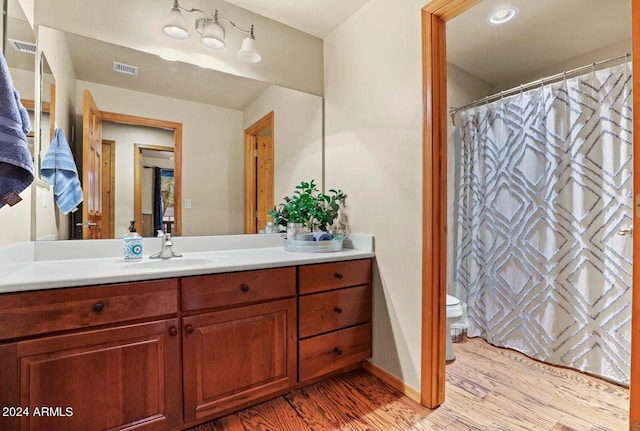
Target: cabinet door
pixel 236 356
pixel 120 378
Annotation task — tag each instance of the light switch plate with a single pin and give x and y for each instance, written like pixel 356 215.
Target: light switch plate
pixel 187 204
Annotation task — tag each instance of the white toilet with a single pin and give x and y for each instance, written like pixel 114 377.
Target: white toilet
pixel 454 313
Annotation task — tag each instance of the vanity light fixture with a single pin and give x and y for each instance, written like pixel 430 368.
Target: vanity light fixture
pixel 210 30
pixel 502 14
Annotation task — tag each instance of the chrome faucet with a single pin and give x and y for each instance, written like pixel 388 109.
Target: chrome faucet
pixel 166 252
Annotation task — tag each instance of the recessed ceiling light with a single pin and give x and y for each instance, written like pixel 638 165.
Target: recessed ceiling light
pixel 502 15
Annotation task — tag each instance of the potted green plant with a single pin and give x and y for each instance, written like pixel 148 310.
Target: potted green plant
pixel 314 210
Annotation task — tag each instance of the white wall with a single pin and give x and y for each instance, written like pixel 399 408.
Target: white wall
pixel 373 110
pixel 50 222
pixel 212 146
pixel 297 136
pixel 604 53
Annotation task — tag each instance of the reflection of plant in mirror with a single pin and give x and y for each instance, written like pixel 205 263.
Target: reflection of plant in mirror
pixel 315 210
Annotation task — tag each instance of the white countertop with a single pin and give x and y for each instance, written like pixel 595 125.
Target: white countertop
pixel 57 264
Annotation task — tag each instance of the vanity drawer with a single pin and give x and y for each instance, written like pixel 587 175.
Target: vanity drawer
pixel 30 313
pixel 223 290
pixel 327 311
pixel 330 352
pixel 328 276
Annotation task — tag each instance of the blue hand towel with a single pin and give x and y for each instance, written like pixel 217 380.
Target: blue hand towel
pixel 16 163
pixel 59 170
pixel 322 236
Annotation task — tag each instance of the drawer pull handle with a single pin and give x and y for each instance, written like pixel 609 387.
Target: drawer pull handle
pixel 339 275
pixel 337 309
pixel 337 350
pixel 98 307
pixel 188 329
pixel 173 331
pixel 244 287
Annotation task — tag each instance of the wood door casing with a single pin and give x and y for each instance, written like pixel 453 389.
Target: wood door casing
pixel 138 184
pixel 634 386
pixel 91 169
pixel 264 180
pixel 134 120
pixel 258 181
pixel 108 188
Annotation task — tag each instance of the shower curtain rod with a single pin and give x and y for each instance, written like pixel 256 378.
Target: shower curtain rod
pixel 453 111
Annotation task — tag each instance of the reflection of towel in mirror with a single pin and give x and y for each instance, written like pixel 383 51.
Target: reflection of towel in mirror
pixel 16 163
pixel 59 170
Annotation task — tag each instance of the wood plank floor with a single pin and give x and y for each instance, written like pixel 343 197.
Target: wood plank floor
pixel 487 389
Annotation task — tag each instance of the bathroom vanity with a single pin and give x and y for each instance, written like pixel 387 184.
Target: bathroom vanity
pixel 168 346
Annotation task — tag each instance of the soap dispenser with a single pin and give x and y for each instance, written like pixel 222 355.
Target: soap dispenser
pixel 132 243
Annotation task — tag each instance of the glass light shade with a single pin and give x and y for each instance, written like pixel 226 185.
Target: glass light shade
pixel 176 26
pixel 213 36
pixel 248 51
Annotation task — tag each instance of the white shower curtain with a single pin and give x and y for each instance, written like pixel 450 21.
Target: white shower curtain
pixel 545 181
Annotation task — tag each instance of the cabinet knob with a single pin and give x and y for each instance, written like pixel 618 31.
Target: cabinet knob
pixel 244 287
pixel 337 351
pixel 98 307
pixel 338 275
pixel 188 329
pixel 337 309
pixel 173 331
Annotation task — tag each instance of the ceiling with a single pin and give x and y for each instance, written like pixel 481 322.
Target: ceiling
pixel 544 33
pixel 315 17
pixel 548 31
pixel 93 61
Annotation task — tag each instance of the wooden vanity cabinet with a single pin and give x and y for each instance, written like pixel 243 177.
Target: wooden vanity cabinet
pixel 334 317
pixel 169 354
pixel 243 347
pixel 118 376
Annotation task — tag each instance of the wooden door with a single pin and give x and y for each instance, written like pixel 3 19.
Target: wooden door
pixel 264 180
pixel 108 188
pixel 235 356
pixel 119 378
pixel 91 169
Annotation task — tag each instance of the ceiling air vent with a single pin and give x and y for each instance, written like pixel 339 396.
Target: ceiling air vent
pixel 22 46
pixel 125 68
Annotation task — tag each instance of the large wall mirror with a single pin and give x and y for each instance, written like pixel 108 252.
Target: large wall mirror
pixel 194 118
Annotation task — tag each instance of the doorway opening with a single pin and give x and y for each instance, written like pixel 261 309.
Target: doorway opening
pixel 434 17
pixel 154 189
pixel 93 187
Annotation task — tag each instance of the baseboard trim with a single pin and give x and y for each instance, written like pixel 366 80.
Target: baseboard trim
pixel 392 381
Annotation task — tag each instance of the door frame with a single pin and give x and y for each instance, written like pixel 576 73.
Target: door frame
pixel 435 14
pixel 134 120
pixel 251 194
pixel 137 181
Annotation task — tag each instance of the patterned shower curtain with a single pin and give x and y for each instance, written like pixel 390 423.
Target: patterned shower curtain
pixel 545 194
